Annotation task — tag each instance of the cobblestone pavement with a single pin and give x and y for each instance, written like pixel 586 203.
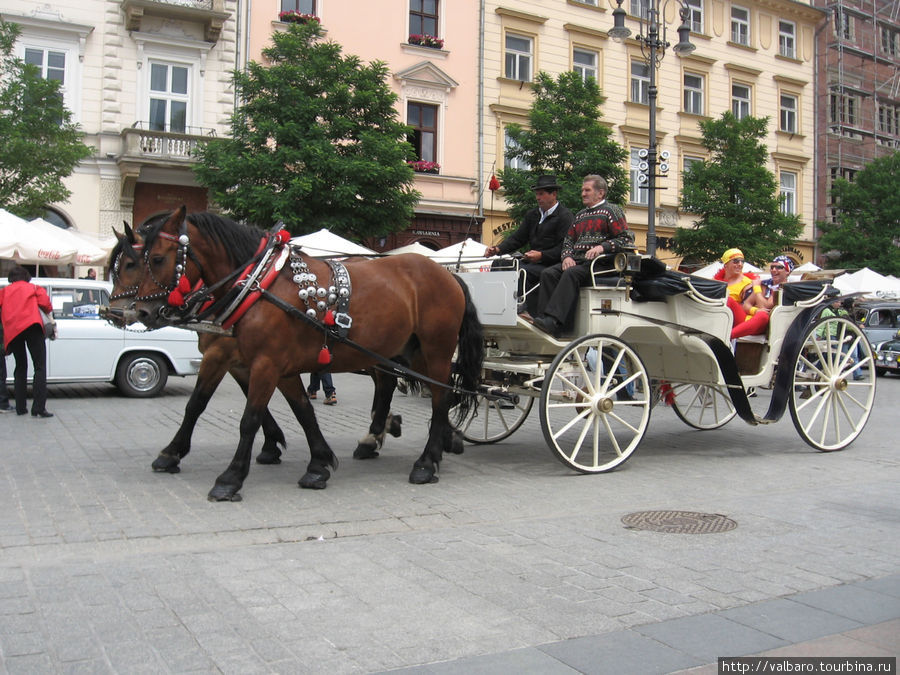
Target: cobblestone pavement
pixel 106 567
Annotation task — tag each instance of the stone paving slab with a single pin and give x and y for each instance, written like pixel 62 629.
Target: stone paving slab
pixel 106 567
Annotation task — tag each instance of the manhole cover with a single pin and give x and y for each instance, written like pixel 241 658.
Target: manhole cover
pixel 679 522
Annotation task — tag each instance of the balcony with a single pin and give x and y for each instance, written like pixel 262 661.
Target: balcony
pixel 157 149
pixel 210 13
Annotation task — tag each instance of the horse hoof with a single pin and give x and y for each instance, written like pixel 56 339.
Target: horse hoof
pixel 314 481
pixel 365 452
pixel 222 493
pixel 394 428
pixel 268 458
pixel 457 447
pixel 422 476
pixel 166 464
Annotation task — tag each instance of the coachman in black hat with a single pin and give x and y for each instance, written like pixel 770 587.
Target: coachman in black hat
pixel 542 231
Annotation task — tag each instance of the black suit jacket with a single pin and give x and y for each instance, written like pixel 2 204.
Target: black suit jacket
pixel 546 237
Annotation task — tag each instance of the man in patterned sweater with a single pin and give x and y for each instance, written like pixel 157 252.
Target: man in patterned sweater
pixel 598 230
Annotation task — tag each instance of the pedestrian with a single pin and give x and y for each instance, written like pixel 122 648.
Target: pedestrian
pixel 542 230
pixel 323 378
pixel 23 328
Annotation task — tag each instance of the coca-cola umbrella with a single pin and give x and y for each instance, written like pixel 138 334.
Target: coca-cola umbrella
pixel 86 251
pixel 29 245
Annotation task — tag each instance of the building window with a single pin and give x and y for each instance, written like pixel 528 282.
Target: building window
pixel 302 6
pixel 890 41
pixel 640 8
pixel 889 119
pixel 518 57
pixel 639 193
pixel 422 117
pixel 788 114
pixel 584 63
pixel 786 42
pixel 510 146
pixel 843 109
pixel 788 183
pixel 740 100
pixel 693 94
pixel 695 15
pixel 843 24
pixel 640 82
pixel 423 17
pixel 168 97
pixel 740 25
pixel 52 63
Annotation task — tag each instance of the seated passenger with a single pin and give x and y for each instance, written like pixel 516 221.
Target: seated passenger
pixel 780 268
pixel 599 229
pixel 740 287
pixel 542 230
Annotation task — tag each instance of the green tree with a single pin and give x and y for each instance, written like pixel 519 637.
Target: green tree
pixel 735 196
pixel 564 138
pixel 40 145
pixel 315 142
pixel 867 231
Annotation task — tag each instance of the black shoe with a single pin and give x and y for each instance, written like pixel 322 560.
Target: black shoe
pixel 6 408
pixel 549 325
pixel 43 413
pixel 21 412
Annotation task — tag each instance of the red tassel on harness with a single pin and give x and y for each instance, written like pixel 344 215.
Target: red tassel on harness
pixel 324 356
pixel 283 236
pixel 329 318
pixel 176 298
pixel 184 285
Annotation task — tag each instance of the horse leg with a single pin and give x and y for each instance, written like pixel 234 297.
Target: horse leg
pixel 274 442
pixel 321 456
pixel 426 466
pixel 382 420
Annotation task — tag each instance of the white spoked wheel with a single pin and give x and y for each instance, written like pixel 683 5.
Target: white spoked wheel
pixel 702 406
pixel 595 403
pixel 832 394
pixel 495 419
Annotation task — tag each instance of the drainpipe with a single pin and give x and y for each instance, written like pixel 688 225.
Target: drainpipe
pixel 481 111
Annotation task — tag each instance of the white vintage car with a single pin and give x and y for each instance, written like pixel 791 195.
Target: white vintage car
pixel 89 349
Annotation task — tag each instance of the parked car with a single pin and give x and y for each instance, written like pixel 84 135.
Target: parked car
pixel 90 349
pixel 879 319
pixel 887 356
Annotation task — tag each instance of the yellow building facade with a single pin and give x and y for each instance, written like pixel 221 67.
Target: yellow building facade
pixel 753 57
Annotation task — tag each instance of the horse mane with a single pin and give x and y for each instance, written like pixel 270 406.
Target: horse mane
pixel 239 241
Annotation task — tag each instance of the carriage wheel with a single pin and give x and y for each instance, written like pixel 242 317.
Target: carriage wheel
pixel 594 411
pixel 702 406
pixel 495 420
pixel 832 395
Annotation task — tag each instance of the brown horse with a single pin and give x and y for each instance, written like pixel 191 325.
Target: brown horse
pixel 220 355
pixel 405 308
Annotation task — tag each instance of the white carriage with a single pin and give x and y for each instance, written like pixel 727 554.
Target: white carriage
pixel 641 336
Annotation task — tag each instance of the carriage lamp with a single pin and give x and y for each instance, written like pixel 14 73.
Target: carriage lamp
pixel 652 38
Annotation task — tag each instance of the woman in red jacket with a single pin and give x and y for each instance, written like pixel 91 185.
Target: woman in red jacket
pixel 23 327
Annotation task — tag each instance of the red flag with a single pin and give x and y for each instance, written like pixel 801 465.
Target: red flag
pixel 494 184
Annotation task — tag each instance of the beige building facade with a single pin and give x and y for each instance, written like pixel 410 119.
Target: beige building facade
pixel 752 57
pixel 146 81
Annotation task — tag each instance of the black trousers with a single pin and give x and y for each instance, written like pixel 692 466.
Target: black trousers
pixel 533 272
pixel 4 392
pixel 559 290
pixel 33 339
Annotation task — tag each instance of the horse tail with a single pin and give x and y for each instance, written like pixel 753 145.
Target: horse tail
pixel 469 356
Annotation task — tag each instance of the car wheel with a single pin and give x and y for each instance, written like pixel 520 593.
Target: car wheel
pixel 141 375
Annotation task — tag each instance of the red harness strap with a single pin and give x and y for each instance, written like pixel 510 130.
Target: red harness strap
pixel 265 280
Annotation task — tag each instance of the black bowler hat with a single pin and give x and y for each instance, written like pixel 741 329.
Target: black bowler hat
pixel 545 183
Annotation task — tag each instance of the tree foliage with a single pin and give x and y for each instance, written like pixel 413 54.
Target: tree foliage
pixel 867 231
pixel 315 142
pixel 40 145
pixel 735 196
pixel 566 139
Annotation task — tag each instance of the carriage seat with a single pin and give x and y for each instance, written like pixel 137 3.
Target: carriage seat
pixel 669 283
pixel 796 291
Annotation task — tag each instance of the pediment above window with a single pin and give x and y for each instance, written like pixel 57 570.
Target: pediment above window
pixel 426 74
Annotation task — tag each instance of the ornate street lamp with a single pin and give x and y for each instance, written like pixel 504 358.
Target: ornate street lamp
pixel 653 47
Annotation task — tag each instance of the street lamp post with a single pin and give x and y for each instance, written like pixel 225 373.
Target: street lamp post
pixel 652 39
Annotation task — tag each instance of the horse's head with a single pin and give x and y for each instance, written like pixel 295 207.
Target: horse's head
pixel 126 267
pixel 165 246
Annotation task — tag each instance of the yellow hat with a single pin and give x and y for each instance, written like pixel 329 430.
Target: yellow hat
pixel 731 254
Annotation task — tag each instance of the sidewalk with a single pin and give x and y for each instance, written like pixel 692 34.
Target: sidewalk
pixel 510 563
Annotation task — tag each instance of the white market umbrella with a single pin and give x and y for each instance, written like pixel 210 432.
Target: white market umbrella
pixel 414 247
pixel 469 253
pixel 866 281
pixel 86 252
pixel 26 244
pixel 325 244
